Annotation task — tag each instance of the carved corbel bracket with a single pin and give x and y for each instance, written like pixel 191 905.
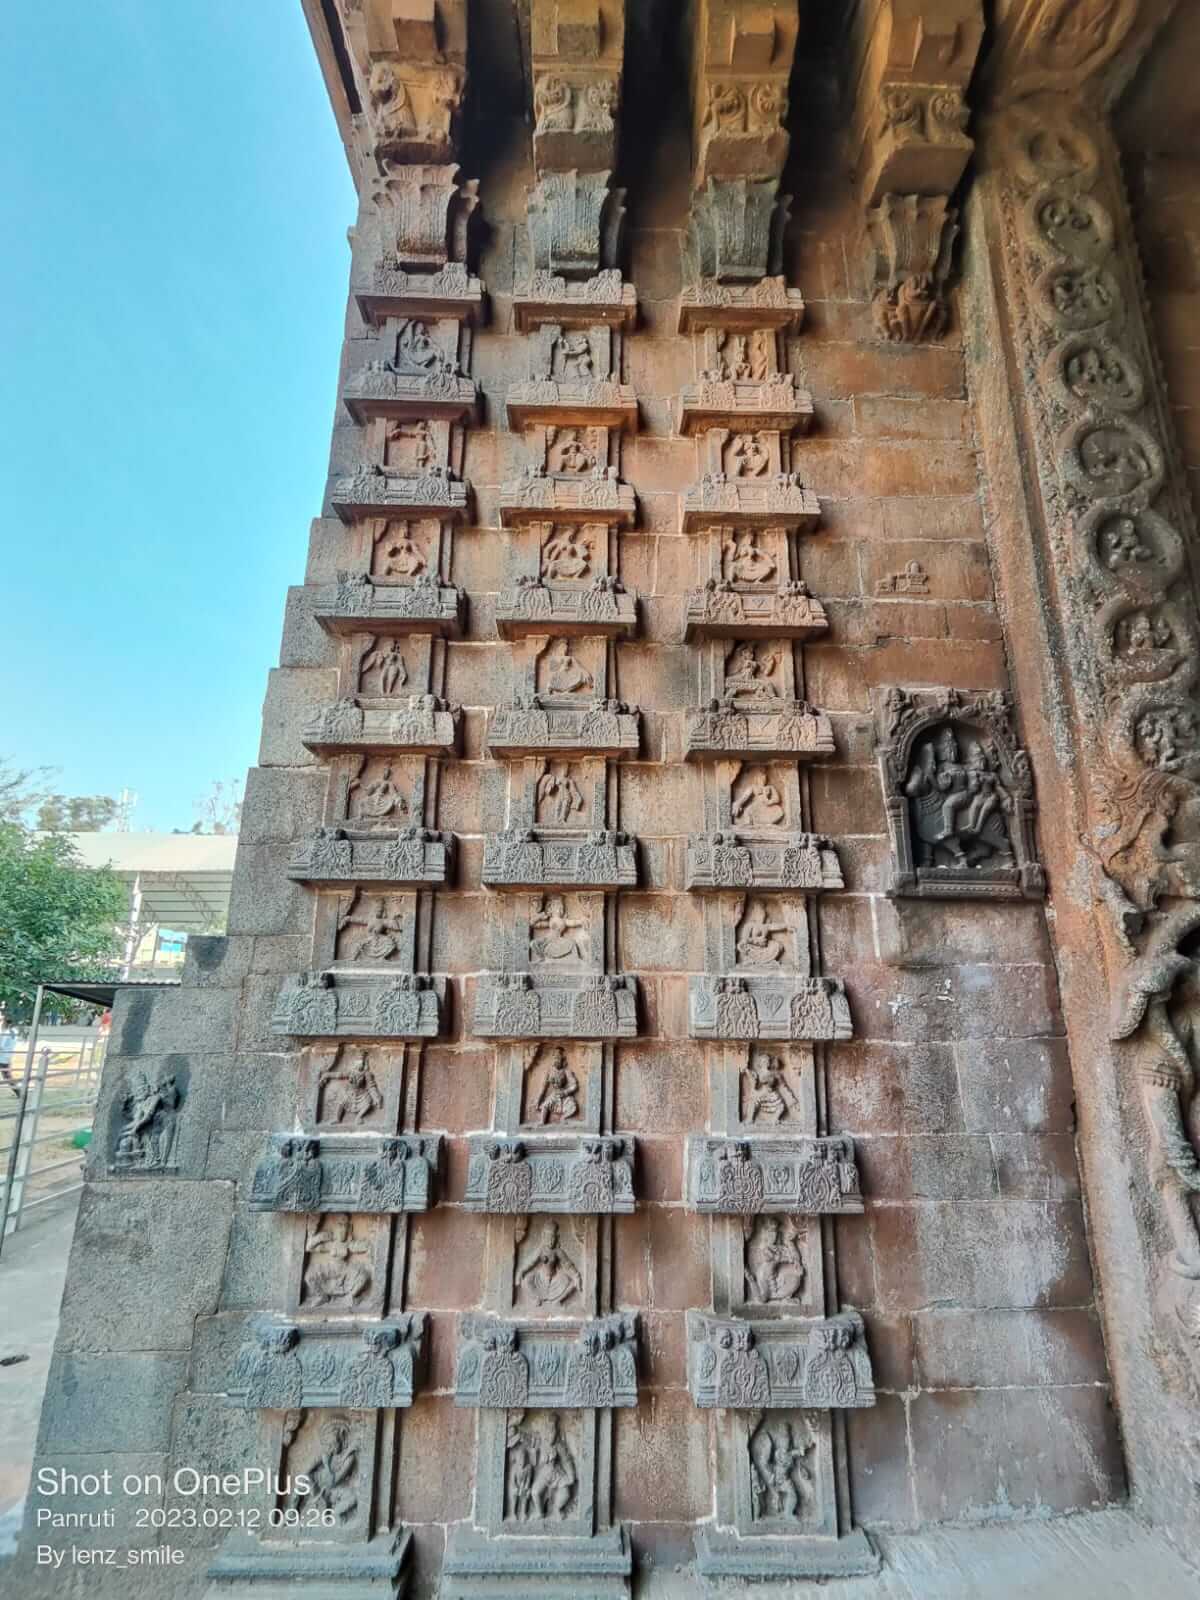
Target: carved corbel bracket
pixel 740 68
pixel 910 243
pixel 410 60
pixel 911 61
pixel 577 53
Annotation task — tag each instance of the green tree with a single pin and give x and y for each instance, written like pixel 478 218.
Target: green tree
pixel 80 813
pixel 58 918
pixel 21 789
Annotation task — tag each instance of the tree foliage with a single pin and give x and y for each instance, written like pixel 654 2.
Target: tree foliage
pixel 21 789
pixel 58 918
pixel 220 810
pixel 81 813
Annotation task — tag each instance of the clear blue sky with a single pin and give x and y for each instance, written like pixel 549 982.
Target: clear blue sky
pixel 173 281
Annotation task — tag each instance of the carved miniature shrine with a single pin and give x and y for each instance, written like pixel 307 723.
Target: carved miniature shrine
pixel 700 1079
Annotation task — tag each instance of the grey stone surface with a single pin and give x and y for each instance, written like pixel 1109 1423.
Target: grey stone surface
pixel 119 1403
pixel 146 1261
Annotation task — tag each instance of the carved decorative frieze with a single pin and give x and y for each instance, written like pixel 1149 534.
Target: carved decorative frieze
pixel 742 1177
pixel 412 722
pixel 725 610
pixel 775 1005
pixel 369 491
pixel 595 496
pixel 534 858
pixel 531 607
pixel 387 290
pixel 729 860
pixel 1112 518
pixel 341 857
pixel 718 402
pixel 604 300
pixel 959 796
pixel 767 303
pixel 354 602
pixel 559 1173
pixel 598 727
pixel 732 725
pixel 283 1365
pixel 345 1005
pixel 347 1173
pixel 600 402
pixel 518 1005
pixel 779 501
pixel 743 1365
pixel 509 1366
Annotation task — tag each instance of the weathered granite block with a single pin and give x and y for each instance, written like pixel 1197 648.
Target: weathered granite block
pixel 120 1304
pixel 586 1176
pixel 110 1402
pixel 376 1569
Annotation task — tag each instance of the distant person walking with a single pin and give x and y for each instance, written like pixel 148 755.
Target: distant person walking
pixel 8 1043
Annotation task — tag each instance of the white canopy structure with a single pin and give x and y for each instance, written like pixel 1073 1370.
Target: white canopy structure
pixel 176 880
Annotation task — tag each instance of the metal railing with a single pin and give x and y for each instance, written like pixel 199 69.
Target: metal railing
pixel 57 1082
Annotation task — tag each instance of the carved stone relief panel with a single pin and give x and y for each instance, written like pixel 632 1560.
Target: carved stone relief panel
pixel 565 580
pixel 374 833
pixel 328 1364
pixel 415 375
pixel 354 1089
pixel 577 1174
pixel 745 1365
pixel 502 1363
pixel 342 1262
pixel 747 690
pixel 747 1176
pixel 334 1453
pixel 354 1005
pixel 757 1089
pixel 341 1172
pixel 959 796
pixel 145 1120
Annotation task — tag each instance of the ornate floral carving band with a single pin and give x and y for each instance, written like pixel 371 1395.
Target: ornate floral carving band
pixel 1117 519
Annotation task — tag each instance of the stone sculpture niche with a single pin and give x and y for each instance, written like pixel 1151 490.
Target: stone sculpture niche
pixel 959 796
pixel 144 1121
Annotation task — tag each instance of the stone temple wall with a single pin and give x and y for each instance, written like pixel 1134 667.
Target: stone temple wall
pixel 630 1118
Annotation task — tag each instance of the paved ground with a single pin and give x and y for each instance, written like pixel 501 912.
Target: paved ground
pixel 32 1269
